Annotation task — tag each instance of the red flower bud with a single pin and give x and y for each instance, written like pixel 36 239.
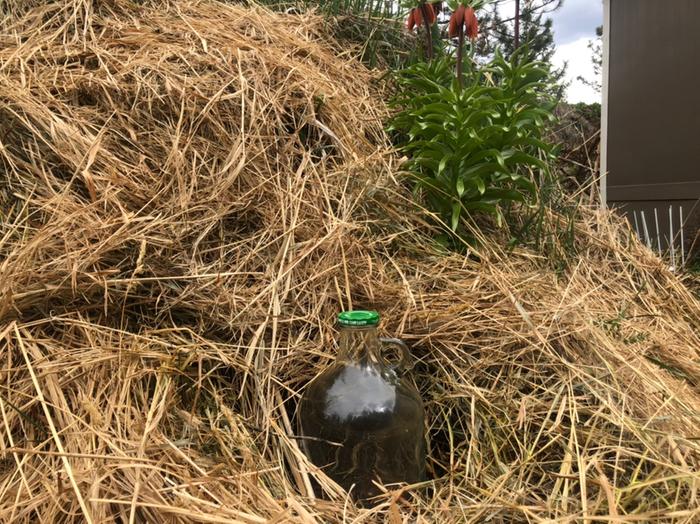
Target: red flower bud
pixel 430 12
pixel 472 23
pixel 456 21
pixel 418 16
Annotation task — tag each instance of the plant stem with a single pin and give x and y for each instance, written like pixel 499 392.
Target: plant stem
pixel 516 36
pixel 460 51
pixel 428 32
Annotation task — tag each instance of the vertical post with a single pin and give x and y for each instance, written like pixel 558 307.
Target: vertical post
pixel 605 108
pixel 672 238
pixel 516 33
pixel 647 238
pixel 637 229
pixel 658 231
pixel 682 225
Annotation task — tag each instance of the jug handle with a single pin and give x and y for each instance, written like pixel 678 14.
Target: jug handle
pixel 404 352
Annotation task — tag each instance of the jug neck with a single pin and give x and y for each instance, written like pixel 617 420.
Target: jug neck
pixel 359 345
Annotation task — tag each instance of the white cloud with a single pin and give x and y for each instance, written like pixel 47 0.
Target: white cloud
pixel 577 19
pixel 578 56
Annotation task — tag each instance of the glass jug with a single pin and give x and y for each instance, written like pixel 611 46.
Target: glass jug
pixel 361 422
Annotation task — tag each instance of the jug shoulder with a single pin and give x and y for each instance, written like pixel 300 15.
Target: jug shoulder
pixel 363 396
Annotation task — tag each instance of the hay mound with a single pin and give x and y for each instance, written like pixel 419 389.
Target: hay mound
pixel 191 192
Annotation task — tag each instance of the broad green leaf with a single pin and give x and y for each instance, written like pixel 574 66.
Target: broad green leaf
pixel 460 187
pixel 456 210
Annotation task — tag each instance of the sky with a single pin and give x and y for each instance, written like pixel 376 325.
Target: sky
pixel 574 25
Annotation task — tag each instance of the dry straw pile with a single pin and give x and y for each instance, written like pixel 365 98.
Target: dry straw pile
pixel 191 191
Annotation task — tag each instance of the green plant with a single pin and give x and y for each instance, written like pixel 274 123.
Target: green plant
pixel 535 29
pixel 479 147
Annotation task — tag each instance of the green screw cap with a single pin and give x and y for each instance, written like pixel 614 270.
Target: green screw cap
pixel 358 318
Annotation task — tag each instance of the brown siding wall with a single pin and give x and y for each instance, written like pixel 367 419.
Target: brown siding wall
pixel 654 105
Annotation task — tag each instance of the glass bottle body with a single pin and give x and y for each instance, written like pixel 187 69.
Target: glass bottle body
pixel 362 422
